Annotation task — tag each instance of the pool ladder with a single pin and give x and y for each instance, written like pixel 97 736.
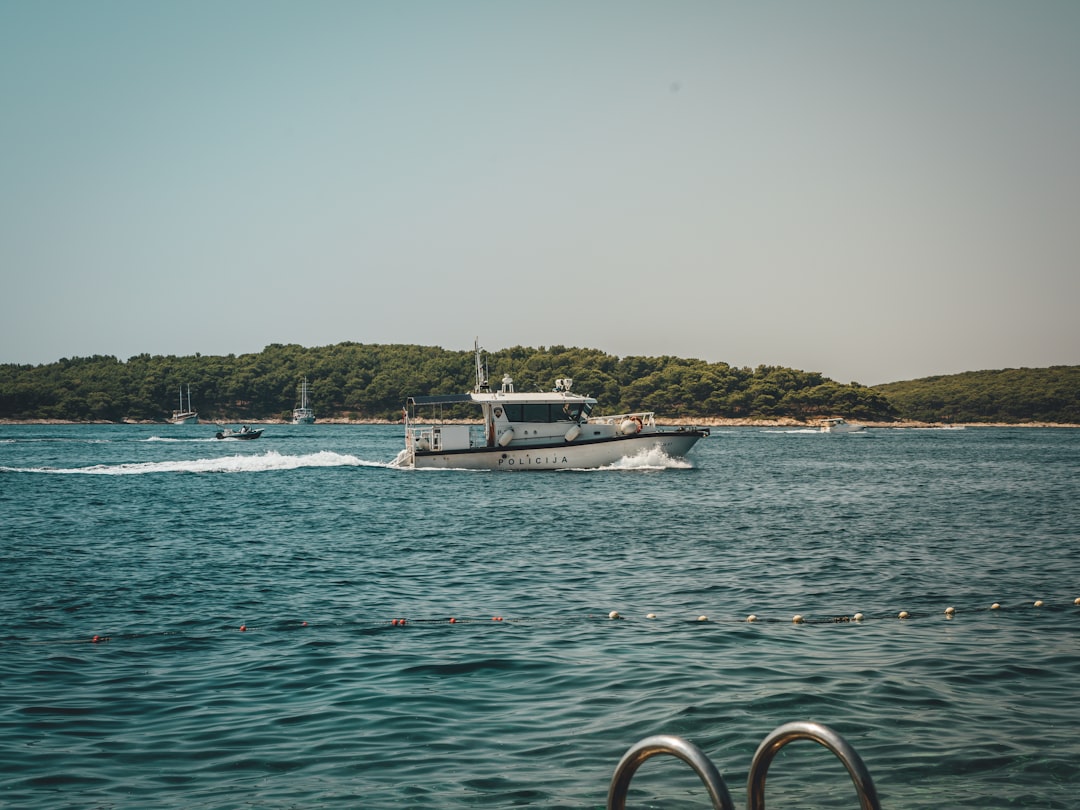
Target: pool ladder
pixel 759 767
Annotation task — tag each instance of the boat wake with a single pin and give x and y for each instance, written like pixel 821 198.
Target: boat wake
pixel 172 440
pixel 266 462
pixel 651 459
pixel 401 461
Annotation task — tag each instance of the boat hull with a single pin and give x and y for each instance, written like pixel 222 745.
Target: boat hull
pixel 840 426
pixel 561 456
pixel 251 434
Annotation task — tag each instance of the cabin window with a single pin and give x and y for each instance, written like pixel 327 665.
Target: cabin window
pixel 571 411
pixel 567 412
pixel 538 413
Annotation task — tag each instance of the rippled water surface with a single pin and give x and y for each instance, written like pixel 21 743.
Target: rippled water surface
pixel 246 599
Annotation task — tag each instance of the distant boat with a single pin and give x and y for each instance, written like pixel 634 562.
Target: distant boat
pixel 243 433
pixel 303 415
pixel 184 416
pixel 839 425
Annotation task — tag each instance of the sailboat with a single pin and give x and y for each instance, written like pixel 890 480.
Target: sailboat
pixel 183 416
pixel 303 415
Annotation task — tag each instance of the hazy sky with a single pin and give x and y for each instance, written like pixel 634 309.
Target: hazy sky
pixel 876 191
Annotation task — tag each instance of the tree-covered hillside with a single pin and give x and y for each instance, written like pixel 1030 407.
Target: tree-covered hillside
pixel 1014 395
pixel 372 381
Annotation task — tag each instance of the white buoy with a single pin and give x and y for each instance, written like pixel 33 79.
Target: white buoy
pixel 650 615
pixel 1076 601
pixel 858 617
pixel 950 611
pixel 1038 603
pixel 751 618
pixel 613 615
pixel 903 614
pixel 797 619
pixel 995 606
pixel 702 618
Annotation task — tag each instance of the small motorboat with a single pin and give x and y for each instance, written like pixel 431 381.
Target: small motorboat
pixel 839 425
pixel 243 433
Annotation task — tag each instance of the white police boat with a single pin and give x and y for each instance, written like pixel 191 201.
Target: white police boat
pixel 553 430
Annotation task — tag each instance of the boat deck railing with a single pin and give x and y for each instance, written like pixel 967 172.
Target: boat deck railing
pixel 432 435
pixel 647 418
pixel 415 434
pixel 759 767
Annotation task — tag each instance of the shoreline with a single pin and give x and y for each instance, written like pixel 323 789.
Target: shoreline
pixel 707 421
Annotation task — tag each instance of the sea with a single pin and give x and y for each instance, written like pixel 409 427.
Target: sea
pixel 292 622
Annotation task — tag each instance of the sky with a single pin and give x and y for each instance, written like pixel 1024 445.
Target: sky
pixel 876 191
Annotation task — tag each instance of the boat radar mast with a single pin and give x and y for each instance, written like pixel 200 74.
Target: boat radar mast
pixel 481 369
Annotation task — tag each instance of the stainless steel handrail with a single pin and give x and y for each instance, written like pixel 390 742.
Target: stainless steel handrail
pixel 676 747
pixel 789 732
pixel 759 767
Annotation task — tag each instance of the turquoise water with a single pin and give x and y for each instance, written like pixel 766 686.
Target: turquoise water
pixel 164 542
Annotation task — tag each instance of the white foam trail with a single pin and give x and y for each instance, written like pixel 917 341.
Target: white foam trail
pixel 651 459
pixel 170 439
pixel 269 461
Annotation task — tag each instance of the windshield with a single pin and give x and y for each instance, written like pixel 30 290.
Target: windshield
pixel 537 412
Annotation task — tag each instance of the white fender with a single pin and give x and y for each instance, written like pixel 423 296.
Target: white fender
pixel 506 437
pixel 573 433
pixel 629 427
pixel 423 444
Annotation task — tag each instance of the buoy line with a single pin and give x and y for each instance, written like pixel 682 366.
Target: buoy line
pixel 798 618
pixel 949 613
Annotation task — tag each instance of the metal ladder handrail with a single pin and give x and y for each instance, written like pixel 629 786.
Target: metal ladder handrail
pixel 676 747
pixel 759 767
pixel 801 730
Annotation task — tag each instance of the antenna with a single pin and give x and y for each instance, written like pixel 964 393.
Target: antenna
pixel 481 370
